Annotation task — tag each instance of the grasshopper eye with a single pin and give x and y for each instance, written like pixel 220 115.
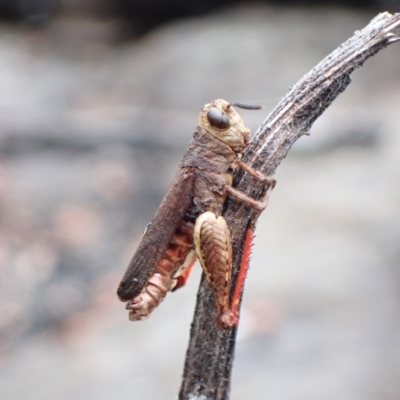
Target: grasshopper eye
pixel 217 118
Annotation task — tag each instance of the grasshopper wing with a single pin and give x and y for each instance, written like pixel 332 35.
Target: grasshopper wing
pixel 158 235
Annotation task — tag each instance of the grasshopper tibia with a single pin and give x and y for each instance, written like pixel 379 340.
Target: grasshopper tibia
pixel 230 317
pixel 237 294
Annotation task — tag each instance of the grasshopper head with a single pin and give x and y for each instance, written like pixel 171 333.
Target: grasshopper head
pixel 221 120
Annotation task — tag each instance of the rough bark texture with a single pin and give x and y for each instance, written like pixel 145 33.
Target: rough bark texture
pixel 209 357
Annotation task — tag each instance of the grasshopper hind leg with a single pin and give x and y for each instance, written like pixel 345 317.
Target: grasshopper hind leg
pixel 212 242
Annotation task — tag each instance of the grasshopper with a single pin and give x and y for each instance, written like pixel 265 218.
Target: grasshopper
pixel 189 225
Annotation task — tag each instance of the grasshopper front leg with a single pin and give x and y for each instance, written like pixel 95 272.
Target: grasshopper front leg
pixel 244 198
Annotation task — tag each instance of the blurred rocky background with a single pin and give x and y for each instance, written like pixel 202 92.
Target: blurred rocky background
pixel 98 100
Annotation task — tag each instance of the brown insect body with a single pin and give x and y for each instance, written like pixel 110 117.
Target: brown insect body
pixel 194 200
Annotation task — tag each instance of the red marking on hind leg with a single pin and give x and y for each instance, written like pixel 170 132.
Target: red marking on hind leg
pixel 230 317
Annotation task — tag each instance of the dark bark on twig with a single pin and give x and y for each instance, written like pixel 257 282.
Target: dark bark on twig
pixel 209 357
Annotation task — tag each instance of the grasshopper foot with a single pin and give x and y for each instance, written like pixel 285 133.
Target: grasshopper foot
pixel 227 319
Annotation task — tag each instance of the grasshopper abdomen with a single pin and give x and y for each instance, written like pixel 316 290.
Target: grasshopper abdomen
pixel 178 256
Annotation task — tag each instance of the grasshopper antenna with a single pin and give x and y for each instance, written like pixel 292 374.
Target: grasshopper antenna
pixel 247 106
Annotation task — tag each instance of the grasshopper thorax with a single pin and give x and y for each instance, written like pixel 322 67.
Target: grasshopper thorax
pixel 221 120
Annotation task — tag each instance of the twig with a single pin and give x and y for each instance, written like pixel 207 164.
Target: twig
pixel 209 357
